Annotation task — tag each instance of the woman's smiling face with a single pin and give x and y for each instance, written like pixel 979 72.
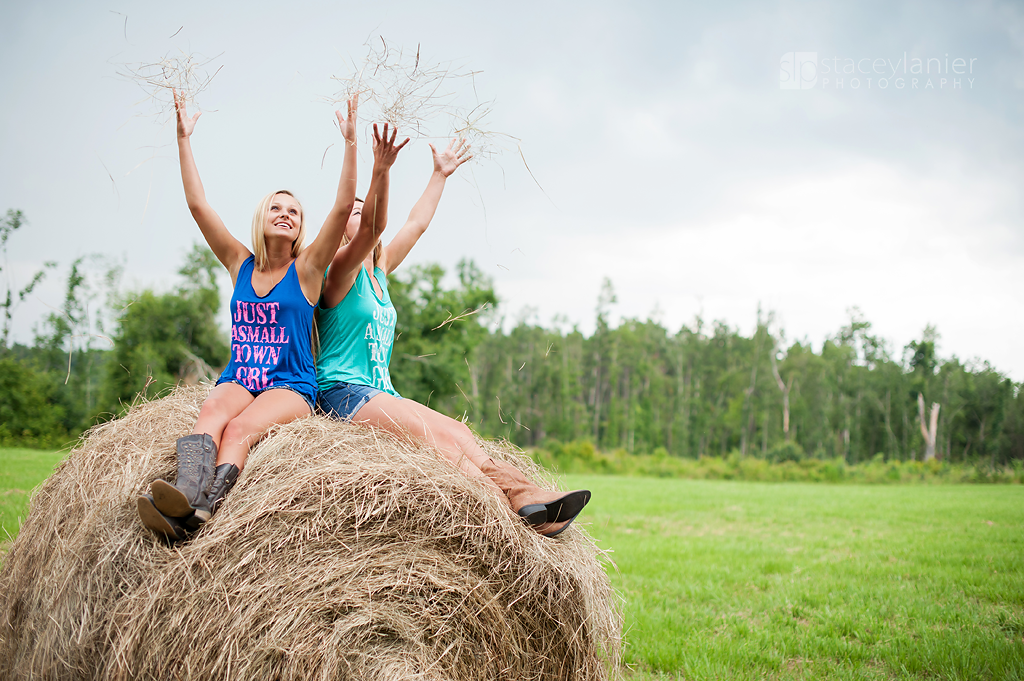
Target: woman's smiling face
pixel 284 216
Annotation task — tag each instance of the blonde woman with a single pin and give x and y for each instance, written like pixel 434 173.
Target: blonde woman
pixel 271 376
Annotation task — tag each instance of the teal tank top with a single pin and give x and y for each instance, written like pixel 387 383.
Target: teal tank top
pixel 356 336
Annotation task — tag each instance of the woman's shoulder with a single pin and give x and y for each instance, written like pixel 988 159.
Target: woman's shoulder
pixel 245 267
pixel 354 290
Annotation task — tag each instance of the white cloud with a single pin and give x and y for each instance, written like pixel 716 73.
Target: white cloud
pixel 673 163
pixel 907 250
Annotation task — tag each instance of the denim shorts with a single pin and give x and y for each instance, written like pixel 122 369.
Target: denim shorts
pixel 256 393
pixel 342 400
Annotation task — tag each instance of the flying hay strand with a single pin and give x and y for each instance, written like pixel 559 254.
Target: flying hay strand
pixel 188 73
pixel 342 553
pixel 423 100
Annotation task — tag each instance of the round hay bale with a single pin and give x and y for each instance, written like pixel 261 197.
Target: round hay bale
pixel 342 553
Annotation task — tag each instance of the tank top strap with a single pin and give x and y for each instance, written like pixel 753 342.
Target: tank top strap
pixel 245 271
pixel 292 276
pixel 382 281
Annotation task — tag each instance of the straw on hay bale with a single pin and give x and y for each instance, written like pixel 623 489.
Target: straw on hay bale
pixel 342 553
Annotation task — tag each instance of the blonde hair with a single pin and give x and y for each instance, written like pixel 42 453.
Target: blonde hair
pixel 259 223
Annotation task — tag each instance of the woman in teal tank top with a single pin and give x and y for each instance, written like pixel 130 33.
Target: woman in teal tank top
pixel 359 333
pixel 356 324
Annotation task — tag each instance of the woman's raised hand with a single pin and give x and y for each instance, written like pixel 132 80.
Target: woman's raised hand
pixel 384 150
pixel 348 125
pixel 452 157
pixel 185 124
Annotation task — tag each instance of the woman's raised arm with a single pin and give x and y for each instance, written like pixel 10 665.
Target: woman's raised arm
pixel 230 251
pixel 319 253
pixel 314 260
pixel 422 213
pixel 349 258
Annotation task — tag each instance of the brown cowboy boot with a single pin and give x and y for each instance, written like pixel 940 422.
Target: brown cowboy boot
pixel 179 529
pixel 553 529
pixel 206 506
pixel 535 505
pixel 197 455
pixel 172 529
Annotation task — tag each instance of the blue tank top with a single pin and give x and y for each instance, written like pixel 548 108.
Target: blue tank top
pixel 356 336
pixel 271 336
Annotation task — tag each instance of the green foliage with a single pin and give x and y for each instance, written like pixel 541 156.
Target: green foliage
pixel 53 385
pixel 708 391
pixel 701 392
pixel 162 338
pixel 786 463
pixel 437 332
pixel 75 370
pixel 726 580
pixel 786 451
pixel 29 413
pixel 71 347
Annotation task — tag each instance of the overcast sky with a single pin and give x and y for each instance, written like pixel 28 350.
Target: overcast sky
pixel 673 156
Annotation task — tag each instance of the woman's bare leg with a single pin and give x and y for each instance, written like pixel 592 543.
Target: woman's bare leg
pixel 224 403
pixel 541 508
pixel 452 438
pixel 247 428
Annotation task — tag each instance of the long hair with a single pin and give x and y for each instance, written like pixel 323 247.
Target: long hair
pixel 259 222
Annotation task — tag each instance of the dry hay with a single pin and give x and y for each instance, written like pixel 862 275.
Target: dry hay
pixel 423 99
pixel 342 553
pixel 185 72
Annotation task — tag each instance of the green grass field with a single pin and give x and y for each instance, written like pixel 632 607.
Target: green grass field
pixel 743 580
pixel 20 471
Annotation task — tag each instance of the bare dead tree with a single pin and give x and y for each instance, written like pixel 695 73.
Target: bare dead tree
pixel 930 431
pixel 194 370
pixel 748 431
pixel 784 388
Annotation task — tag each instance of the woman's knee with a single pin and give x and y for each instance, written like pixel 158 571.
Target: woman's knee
pixel 454 434
pixel 239 430
pixel 217 410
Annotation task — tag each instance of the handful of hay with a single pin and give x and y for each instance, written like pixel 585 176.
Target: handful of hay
pixel 342 553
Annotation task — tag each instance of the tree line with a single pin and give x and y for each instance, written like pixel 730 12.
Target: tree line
pixel 705 389
pixel 708 390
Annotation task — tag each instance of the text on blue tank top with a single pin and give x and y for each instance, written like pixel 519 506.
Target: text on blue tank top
pixel 271 335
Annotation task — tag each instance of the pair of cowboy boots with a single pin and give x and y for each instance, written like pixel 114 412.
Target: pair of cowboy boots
pixel 177 511
pixel 549 513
